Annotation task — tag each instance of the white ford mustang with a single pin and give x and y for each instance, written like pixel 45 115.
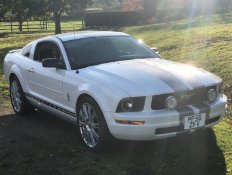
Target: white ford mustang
pixel 110 82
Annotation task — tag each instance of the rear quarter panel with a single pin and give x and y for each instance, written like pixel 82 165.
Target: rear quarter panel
pixel 17 64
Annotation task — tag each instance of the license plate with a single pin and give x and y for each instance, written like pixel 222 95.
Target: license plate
pixel 194 121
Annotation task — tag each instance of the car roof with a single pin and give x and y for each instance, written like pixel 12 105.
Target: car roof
pixel 88 34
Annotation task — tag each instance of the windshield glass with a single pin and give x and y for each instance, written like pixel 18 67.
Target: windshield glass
pixel 91 51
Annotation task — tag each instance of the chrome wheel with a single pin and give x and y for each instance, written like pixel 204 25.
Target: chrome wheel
pixel 89 124
pixel 16 96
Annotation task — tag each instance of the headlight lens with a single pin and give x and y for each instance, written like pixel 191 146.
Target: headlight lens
pixel 171 103
pixel 211 95
pixel 127 105
pixel 133 104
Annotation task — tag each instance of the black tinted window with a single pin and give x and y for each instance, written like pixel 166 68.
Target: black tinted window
pixel 27 50
pixel 105 49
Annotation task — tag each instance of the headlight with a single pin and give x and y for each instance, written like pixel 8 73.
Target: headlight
pixel 211 95
pixel 220 88
pixel 134 104
pixel 171 103
pixel 127 104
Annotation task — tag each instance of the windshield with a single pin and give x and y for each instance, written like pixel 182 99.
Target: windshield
pixel 91 51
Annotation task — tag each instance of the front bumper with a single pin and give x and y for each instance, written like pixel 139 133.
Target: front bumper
pixel 161 124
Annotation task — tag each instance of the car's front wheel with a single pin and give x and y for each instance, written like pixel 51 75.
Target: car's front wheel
pixel 19 102
pixel 92 124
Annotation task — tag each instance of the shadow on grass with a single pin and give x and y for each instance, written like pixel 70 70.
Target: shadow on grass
pixel 42 143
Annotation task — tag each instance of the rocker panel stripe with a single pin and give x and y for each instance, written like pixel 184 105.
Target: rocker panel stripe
pixel 50 105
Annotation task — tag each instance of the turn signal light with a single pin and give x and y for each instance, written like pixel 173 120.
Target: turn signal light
pixel 130 122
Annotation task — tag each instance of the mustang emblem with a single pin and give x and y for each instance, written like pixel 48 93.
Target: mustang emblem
pixel 186 97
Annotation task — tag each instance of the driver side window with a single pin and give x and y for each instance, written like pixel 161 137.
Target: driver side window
pixel 48 50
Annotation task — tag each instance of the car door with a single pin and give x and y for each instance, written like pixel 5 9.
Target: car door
pixel 45 84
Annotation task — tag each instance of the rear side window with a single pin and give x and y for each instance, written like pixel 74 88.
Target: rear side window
pixel 27 50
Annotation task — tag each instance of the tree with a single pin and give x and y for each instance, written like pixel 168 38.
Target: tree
pixel 5 6
pixel 28 9
pixel 150 5
pixel 146 5
pixel 132 5
pixel 57 7
pixel 20 10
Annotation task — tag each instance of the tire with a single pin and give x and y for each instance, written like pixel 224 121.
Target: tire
pixel 19 101
pixel 94 131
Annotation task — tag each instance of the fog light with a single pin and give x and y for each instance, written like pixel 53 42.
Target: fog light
pixel 211 95
pixel 130 122
pixel 171 103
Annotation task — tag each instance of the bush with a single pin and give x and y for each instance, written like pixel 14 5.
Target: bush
pixel 115 18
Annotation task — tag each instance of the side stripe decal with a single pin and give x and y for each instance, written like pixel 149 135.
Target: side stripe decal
pixel 51 105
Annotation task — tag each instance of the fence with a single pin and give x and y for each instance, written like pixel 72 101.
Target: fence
pixel 39 25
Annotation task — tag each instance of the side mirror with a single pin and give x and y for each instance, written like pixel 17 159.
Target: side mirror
pixel 155 49
pixel 52 62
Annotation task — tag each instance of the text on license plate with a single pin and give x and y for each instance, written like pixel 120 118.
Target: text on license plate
pixel 194 121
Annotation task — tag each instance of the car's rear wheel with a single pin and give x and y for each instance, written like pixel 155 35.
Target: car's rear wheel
pixel 92 124
pixel 19 102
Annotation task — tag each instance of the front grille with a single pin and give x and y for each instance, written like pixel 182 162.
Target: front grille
pixel 198 96
pixel 181 127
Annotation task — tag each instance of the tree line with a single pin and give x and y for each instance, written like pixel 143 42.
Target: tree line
pixel 44 9
pixel 40 9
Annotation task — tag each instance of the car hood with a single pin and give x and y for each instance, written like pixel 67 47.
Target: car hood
pixel 154 76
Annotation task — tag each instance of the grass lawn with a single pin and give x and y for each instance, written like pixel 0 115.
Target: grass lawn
pixel 204 42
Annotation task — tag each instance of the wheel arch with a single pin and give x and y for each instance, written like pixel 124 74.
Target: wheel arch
pixel 83 95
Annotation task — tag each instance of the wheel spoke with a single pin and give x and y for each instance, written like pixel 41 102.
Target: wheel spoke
pixel 17 104
pixel 82 115
pixel 14 103
pixel 95 134
pixel 95 125
pixel 13 86
pixel 88 138
pixel 93 116
pixel 85 112
pixel 82 124
pixel 92 139
pixel 89 112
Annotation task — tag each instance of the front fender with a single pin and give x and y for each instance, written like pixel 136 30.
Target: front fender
pixel 95 92
pixel 104 93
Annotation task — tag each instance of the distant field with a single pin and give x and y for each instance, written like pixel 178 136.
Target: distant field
pixel 204 42
pixel 38 26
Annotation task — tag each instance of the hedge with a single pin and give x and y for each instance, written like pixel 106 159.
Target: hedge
pixel 115 18
pixel 132 17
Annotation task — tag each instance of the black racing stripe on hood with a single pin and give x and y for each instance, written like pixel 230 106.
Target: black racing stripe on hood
pixel 203 108
pixel 166 66
pixel 169 79
pixel 184 111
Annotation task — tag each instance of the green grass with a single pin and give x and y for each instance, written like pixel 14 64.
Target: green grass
pixel 65 25
pixel 204 42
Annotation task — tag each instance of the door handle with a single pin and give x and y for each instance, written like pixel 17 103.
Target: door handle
pixel 31 70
